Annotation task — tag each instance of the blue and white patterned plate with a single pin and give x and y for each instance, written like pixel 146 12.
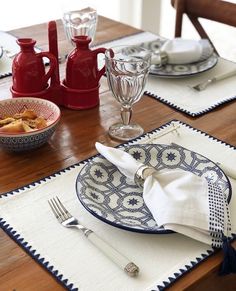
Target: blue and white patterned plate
pixel 112 198
pixel 177 71
pixel 186 70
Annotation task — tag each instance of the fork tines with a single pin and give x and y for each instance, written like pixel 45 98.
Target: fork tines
pixel 59 209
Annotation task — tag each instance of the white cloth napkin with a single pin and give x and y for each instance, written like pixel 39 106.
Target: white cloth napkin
pixel 183 51
pixel 178 200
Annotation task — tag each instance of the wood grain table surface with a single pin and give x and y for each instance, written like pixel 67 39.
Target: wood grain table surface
pixel 74 141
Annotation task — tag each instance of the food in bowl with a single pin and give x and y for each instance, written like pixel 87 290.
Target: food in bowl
pixel 27 122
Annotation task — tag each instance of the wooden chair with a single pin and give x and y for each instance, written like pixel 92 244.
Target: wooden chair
pixel 216 10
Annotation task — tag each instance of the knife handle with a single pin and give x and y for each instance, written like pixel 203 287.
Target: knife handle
pixel 120 260
pixel 224 75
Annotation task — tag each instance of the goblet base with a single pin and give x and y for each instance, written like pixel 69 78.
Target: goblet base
pixel 124 132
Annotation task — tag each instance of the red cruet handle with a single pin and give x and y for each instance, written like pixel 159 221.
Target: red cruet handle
pixel 102 71
pixel 53 64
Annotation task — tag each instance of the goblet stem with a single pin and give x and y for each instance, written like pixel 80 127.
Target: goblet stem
pixel 127 71
pixel 126 114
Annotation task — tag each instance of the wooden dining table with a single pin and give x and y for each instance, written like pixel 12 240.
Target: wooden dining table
pixel 74 141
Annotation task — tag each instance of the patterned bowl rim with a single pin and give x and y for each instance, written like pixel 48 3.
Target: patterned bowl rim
pixel 19 99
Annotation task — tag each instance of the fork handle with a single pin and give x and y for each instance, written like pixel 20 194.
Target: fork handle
pixel 124 263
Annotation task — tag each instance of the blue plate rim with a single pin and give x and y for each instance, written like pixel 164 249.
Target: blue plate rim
pixel 154 72
pixel 161 231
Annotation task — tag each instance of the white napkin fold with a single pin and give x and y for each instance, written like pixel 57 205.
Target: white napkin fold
pixel 183 51
pixel 178 200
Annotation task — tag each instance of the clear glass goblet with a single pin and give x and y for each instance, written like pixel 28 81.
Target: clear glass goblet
pixel 79 18
pixel 127 69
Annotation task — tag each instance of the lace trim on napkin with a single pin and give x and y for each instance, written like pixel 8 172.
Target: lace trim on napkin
pixel 219 218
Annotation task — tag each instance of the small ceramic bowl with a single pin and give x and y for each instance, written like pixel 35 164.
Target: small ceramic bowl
pixel 29 140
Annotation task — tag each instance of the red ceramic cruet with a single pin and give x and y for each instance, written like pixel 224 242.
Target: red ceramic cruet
pixel 82 67
pixel 28 70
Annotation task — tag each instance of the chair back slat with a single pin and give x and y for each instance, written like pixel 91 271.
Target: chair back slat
pixel 215 10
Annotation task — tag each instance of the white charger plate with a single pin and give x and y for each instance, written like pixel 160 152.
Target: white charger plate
pixel 111 197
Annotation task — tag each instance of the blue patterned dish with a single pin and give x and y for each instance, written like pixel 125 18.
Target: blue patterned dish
pixel 112 198
pixel 174 71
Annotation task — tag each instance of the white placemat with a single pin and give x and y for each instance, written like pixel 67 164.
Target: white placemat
pixel 69 256
pixel 8 42
pixel 176 92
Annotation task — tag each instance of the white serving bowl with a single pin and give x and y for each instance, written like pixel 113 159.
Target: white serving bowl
pixel 34 139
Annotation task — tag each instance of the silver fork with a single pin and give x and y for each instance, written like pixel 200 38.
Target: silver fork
pixel 67 220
